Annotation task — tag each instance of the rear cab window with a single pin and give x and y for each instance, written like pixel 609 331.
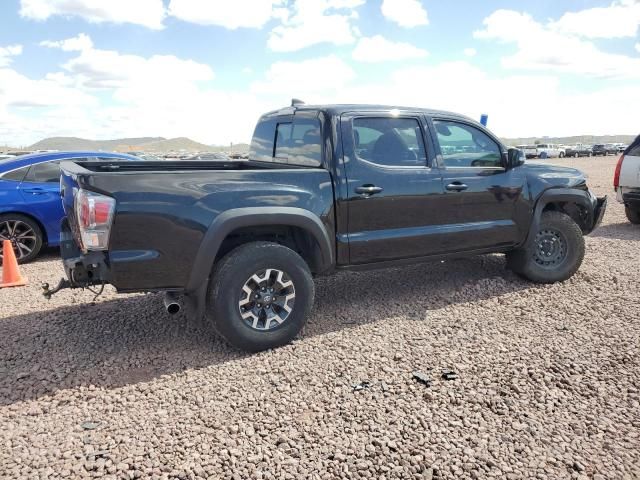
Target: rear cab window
pixel 289 139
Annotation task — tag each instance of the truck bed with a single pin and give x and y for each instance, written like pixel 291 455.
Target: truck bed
pixel 164 209
pixel 97 167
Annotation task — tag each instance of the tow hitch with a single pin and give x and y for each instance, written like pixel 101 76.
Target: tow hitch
pixel 48 292
pixel 64 283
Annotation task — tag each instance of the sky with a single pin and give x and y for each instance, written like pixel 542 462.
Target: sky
pixel 206 69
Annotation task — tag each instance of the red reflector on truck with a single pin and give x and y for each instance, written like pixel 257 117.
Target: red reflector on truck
pixel 616 174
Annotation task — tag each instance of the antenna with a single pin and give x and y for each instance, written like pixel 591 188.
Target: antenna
pixel 296 101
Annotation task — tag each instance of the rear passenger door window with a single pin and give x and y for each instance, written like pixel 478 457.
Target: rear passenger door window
pixel 390 142
pixel 464 146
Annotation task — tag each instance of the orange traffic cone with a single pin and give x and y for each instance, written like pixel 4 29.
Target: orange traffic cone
pixel 10 272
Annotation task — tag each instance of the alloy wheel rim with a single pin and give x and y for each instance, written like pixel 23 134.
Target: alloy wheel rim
pixel 22 237
pixel 550 248
pixel 267 299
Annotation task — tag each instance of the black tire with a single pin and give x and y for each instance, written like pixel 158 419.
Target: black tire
pixel 16 224
pixel 633 215
pixel 561 155
pixel 543 156
pixel 235 271
pixel 566 247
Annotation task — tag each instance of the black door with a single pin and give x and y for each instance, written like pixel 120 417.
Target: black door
pixel 393 194
pixel 483 197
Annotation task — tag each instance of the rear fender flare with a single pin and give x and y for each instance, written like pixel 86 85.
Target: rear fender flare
pixel 235 218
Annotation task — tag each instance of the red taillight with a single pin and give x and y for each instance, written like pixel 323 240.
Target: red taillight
pixel 102 211
pixel 616 175
pixel 94 213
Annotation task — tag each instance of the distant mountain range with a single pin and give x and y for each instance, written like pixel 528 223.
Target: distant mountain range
pixel 142 144
pixel 183 144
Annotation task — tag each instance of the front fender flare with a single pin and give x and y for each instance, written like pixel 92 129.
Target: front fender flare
pixel 562 195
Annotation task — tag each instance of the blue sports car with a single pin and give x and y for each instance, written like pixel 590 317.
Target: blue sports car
pixel 30 205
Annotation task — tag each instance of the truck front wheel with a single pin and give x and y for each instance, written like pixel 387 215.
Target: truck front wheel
pixel 555 254
pixel 260 296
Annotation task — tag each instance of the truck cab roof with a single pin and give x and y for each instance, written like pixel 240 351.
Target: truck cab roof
pixel 340 108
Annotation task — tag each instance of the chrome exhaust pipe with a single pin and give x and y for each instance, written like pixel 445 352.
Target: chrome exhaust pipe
pixel 172 303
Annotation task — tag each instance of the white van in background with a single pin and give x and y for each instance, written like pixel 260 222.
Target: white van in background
pixel 549 150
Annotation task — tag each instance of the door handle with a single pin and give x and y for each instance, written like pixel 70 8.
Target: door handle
pixel 34 191
pixel 456 187
pixel 368 190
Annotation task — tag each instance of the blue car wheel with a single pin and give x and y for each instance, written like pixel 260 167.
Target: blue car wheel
pixel 24 234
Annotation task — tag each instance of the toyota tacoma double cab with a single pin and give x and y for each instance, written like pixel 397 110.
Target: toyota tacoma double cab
pixel 326 188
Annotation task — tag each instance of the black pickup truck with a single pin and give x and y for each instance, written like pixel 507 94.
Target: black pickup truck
pixel 326 188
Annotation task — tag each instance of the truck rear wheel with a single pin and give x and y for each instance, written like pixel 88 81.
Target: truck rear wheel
pixel 632 215
pixel 260 296
pixel 555 254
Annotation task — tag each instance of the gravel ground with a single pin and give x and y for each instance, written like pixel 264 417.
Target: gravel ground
pixel 548 377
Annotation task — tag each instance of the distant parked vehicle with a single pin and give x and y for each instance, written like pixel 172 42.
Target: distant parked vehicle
pixel 30 206
pixel 209 157
pixel 621 147
pixel 626 181
pixel 578 150
pixel 562 151
pixel 548 150
pixel 530 151
pixel 145 156
pixel 604 149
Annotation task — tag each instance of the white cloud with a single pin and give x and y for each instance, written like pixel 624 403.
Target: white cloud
pixel 7 52
pixel 638 47
pixel 542 48
pixel 231 15
pixel 308 77
pixel 75 44
pixel 406 13
pixel 447 86
pixel 470 52
pixel 106 94
pixel 148 13
pixel 313 22
pixel 618 20
pixel 379 49
pixel 105 69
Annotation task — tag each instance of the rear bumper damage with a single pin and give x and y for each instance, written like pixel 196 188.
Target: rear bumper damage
pixel 92 270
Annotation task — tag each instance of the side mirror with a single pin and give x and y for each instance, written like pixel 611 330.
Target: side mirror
pixel 515 158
